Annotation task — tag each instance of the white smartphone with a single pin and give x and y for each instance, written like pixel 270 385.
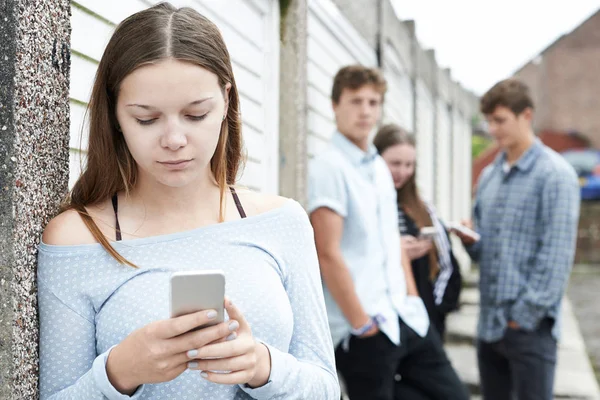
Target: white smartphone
pixel 193 291
pixel 465 231
pixel 427 232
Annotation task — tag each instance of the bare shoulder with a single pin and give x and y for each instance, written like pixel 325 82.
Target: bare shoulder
pixel 68 228
pixel 256 203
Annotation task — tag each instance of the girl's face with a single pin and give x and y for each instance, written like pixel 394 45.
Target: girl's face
pixel 171 114
pixel 401 159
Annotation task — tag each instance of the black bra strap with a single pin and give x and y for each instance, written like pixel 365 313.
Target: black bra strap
pixel 238 203
pixel 115 203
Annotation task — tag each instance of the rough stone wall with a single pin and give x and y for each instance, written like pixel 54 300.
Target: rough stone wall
pixel 7 71
pixel 34 123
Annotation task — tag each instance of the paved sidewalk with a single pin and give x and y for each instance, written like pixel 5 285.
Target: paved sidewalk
pixel 574 376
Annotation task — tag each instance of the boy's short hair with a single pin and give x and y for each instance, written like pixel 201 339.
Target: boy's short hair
pixel 510 93
pixel 356 76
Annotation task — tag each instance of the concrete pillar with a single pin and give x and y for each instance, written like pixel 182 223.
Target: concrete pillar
pixel 34 163
pixel 293 109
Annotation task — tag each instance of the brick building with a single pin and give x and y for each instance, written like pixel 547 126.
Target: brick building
pixel 565 82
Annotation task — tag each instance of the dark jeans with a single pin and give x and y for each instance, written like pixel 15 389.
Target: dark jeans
pixel 374 368
pixel 520 366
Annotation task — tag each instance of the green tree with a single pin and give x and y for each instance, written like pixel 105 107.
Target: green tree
pixel 479 144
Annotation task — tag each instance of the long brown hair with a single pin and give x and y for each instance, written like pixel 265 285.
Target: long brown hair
pixel 409 199
pixel 151 35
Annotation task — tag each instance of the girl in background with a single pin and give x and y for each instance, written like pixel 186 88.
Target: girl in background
pixel 436 271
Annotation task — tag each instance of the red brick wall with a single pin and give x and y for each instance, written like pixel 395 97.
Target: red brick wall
pixel 572 87
pixel 585 35
pixel 530 74
pixel 566 83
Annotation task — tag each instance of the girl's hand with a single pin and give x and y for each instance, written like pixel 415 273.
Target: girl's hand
pixel 158 351
pixel 245 360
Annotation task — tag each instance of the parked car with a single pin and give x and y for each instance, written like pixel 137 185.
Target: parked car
pixel 587 165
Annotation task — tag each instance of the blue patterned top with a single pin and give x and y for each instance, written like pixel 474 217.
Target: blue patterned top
pixel 527 216
pixel 89 303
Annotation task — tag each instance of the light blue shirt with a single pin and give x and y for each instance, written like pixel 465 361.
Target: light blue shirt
pixel 358 186
pixel 89 303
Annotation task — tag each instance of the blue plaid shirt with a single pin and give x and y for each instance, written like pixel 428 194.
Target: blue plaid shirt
pixel 527 216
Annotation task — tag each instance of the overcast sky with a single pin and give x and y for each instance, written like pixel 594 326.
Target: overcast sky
pixel 484 41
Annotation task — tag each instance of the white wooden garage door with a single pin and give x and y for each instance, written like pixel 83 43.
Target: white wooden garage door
pixel 425 152
pixel 443 169
pixel 332 44
pixel 459 186
pixel 251 31
pixel 399 99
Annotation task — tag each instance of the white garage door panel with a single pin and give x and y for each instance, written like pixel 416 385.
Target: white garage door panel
pixel 457 184
pixel 347 37
pixel 319 79
pixel 249 84
pixel 319 125
pixel 254 142
pixel 241 52
pixel 252 113
pixel 82 78
pixel 76 164
pixel 399 105
pixel 78 131
pixel 425 151
pixel 89 35
pixel 393 59
pixel 320 38
pixel 113 10
pixel 242 16
pixel 467 167
pixel 262 5
pixel 443 176
pixel 395 105
pixel 253 176
pixel 322 56
pixel 392 114
pixel 319 103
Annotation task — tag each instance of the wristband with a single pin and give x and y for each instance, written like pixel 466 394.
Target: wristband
pixel 363 329
pixel 373 321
